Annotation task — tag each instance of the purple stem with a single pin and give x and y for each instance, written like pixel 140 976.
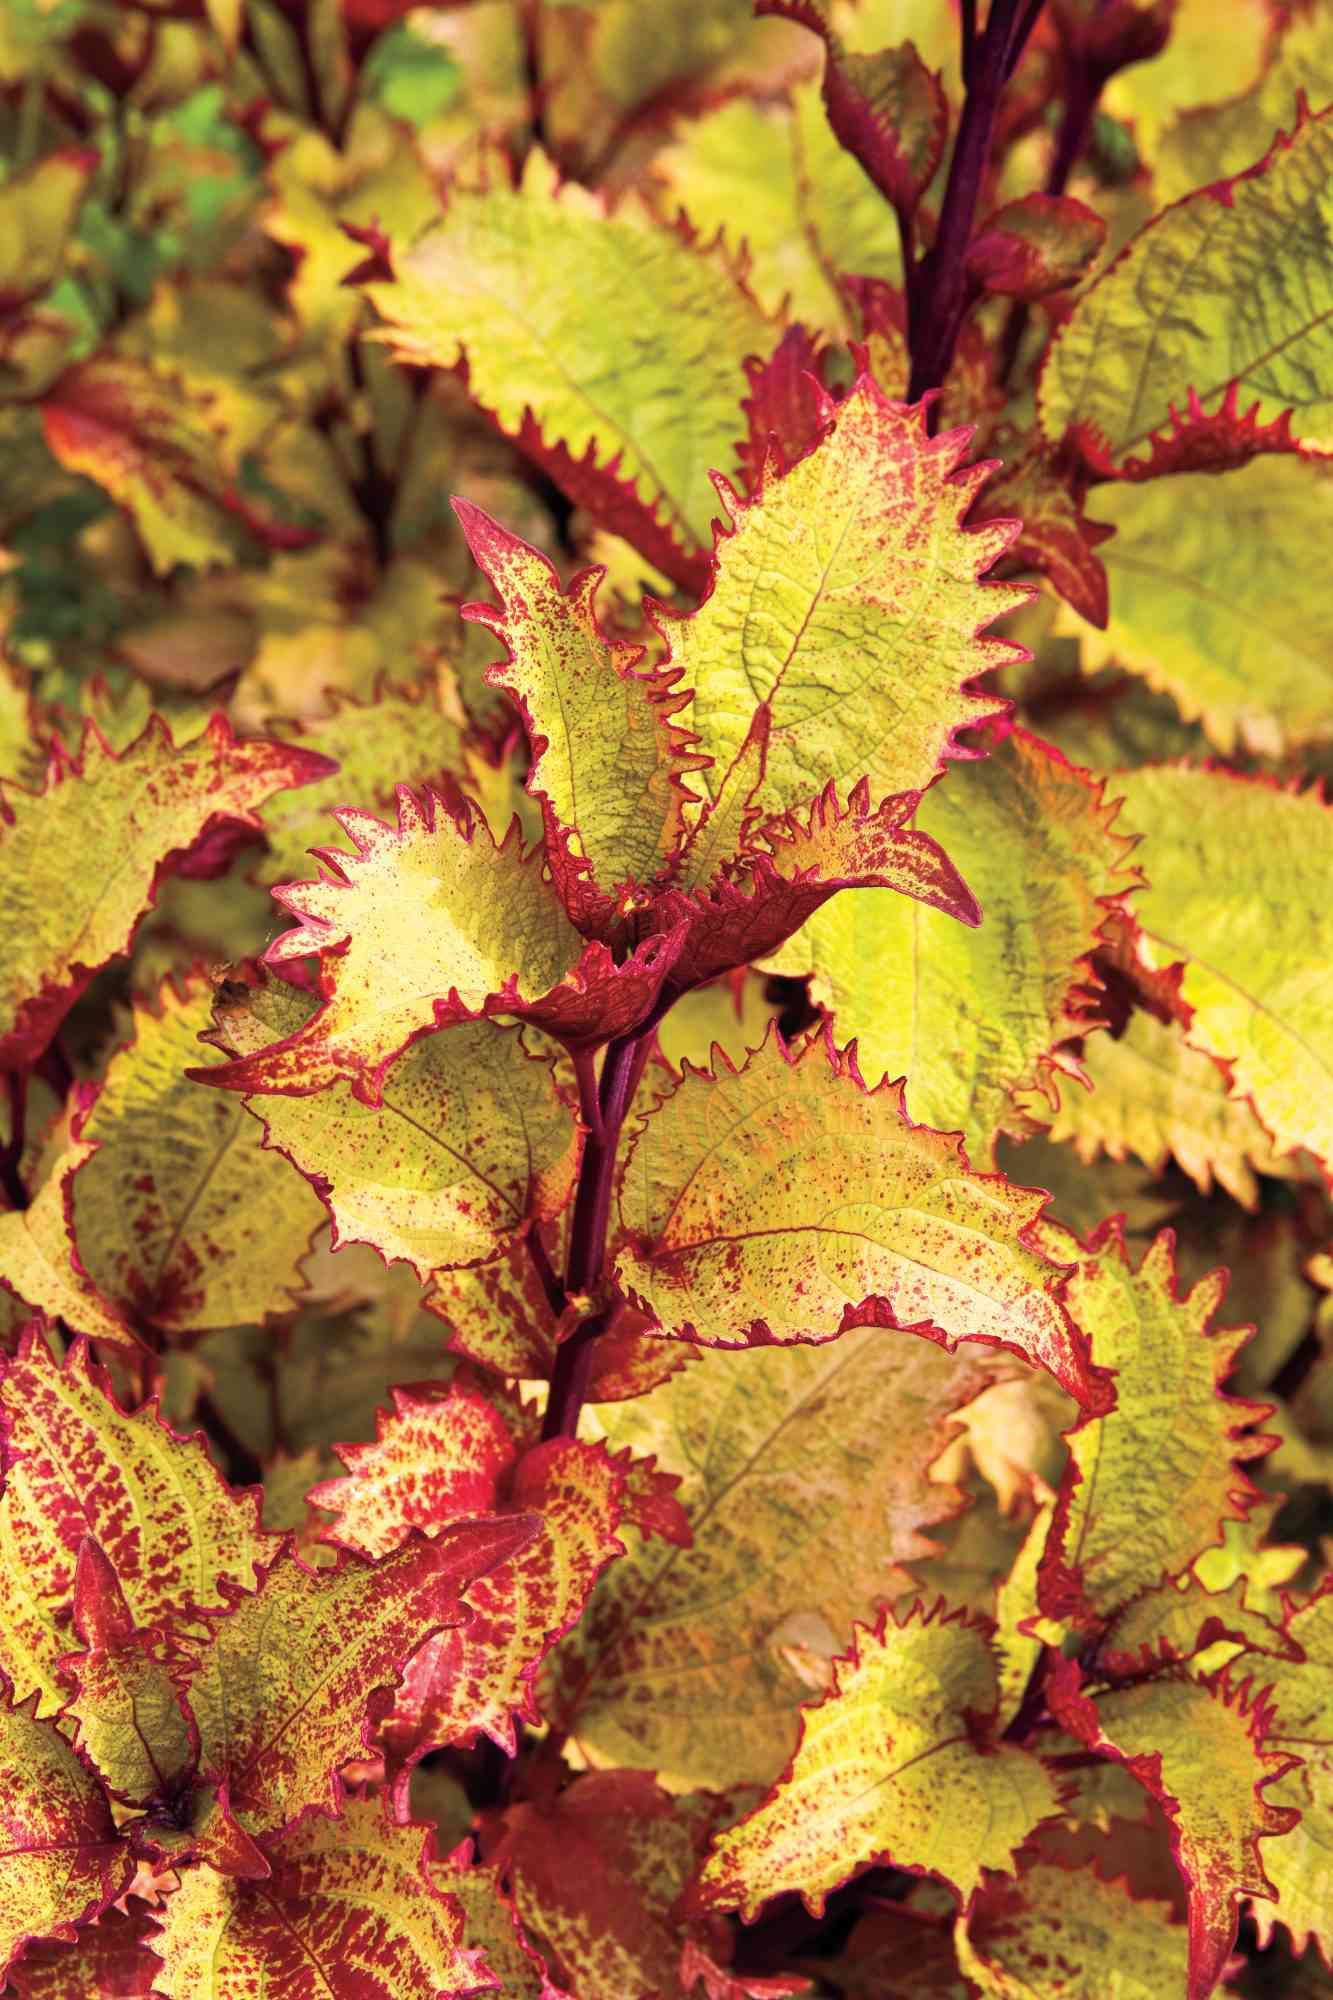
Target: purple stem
pixel 1083 88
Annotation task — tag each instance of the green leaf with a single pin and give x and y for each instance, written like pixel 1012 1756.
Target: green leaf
pixel 1058 1933
pixel 1300 1865
pixel 898 1766
pixel 38 1262
pixel 1213 142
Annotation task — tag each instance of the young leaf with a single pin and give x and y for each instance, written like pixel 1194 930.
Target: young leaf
pixel 1035 245
pixel 806 1480
pixel 40 1266
pixel 899 1765
pixel 1175 1622
pixel 1237 874
pixel 61 1861
pixel 1150 1483
pixel 280 1696
pixel 180 1214
pixel 77 1464
pixel 1302 1724
pixel 349 1908
pixel 721 1212
pixel 435 1459
pixel 469 1142
pixel 846 606
pixel 1057 1933
pixel 130 817
pixel 547 300
pixel 1228 287
pixel 968 1016
pixel 1200 1748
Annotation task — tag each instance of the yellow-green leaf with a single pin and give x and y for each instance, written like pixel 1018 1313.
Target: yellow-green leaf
pixel 1300 1865
pixel 1064 1933
pixel 897 1766
pixel 1214 142
pixel 38 1262
pixel 1228 287
pixel 38 210
pixel 1238 878
pixel 786 1202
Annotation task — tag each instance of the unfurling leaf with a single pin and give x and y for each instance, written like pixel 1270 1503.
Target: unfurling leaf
pixel 130 818
pixel 1057 1933
pixel 785 1201
pixel 1036 245
pixel 897 1765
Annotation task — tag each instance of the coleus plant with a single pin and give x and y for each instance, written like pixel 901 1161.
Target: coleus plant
pixel 625 1384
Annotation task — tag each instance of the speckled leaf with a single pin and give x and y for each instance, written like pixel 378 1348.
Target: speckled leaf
pixel 1229 286
pixel 1149 1484
pixel 60 1858
pixel 1200 1747
pixel 1300 1865
pixel 128 818
pixel 805 1477
pixel 40 1266
pixel 967 1016
pixel 1177 1622
pixel 436 1459
pixel 76 1465
pixel 1237 889
pixel 108 1960
pixel 847 604
pixel 1062 1933
pixel 491 1926
pixel 181 1217
pixel 784 1201
pixel 348 1909
pixel 900 1766
pixel 281 1694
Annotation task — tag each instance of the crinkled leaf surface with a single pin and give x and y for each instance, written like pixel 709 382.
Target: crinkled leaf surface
pixel 281 1694
pixel 181 1217
pixel 966 1015
pixel 1060 1933
pixel 77 1465
pixel 1228 286
pixel 805 1476
pixel 1179 1621
pixel 127 817
pixel 1237 888
pixel 348 1909
pixel 124 1715
pixel 1150 1484
pixel 847 604
pixel 784 1201
pixel 897 1765
pixel 1300 1865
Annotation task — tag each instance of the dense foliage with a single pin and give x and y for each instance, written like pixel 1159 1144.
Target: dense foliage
pixel 635 1394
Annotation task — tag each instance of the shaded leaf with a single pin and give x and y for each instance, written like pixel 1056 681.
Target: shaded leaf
pixel 110 1960
pixel 1299 1864
pixel 1056 1932
pixel 39 207
pixel 40 1266
pixel 491 1926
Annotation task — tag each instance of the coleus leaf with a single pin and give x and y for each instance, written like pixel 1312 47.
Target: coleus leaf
pixel 62 1860
pixel 39 207
pixel 40 1266
pixel 109 1957
pixel 545 296
pixel 491 1927
pixel 845 610
pixel 280 1695
pixel 896 1952
pixel 147 809
pixel 1035 245
pixel 428 923
pixel 900 1764
pixel 1237 873
pixel 1056 1932
pixel 1200 1747
pixel 968 1016
pixel 805 1474
pixel 1226 287
pixel 1150 1482
pixel 716 1204
pixel 470 1141
pixel 1219 139
pixel 1302 1698
pixel 1212 603
pixel 76 1465
pixel 1057 536
pixel 180 1215
pixel 1175 1622
pixel 348 1908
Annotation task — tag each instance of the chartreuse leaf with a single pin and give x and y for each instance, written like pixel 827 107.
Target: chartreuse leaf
pixel 845 609
pixel 1179 1621
pixel 1200 1747
pixel 348 1908
pixel 1154 1096
pixel 1213 603
pixel 1300 1865
pixel 967 1016
pixel 805 1474
pixel 1060 1933
pixel 128 818
pixel 180 1215
pixel 280 1696
pixel 1213 143
pixel 608 763
pixel 785 1202
pixel 60 1859
pixel 37 1256
pixel 428 923
pixel 77 1465
pixel 1237 889
pixel 469 1143
pixel 38 210
pixel 898 1765
pixel 1228 287
pixel 608 336
pixel 1150 1483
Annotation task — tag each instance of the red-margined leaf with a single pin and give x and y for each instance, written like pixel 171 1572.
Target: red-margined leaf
pixel 1301 1693
pixel 1058 1933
